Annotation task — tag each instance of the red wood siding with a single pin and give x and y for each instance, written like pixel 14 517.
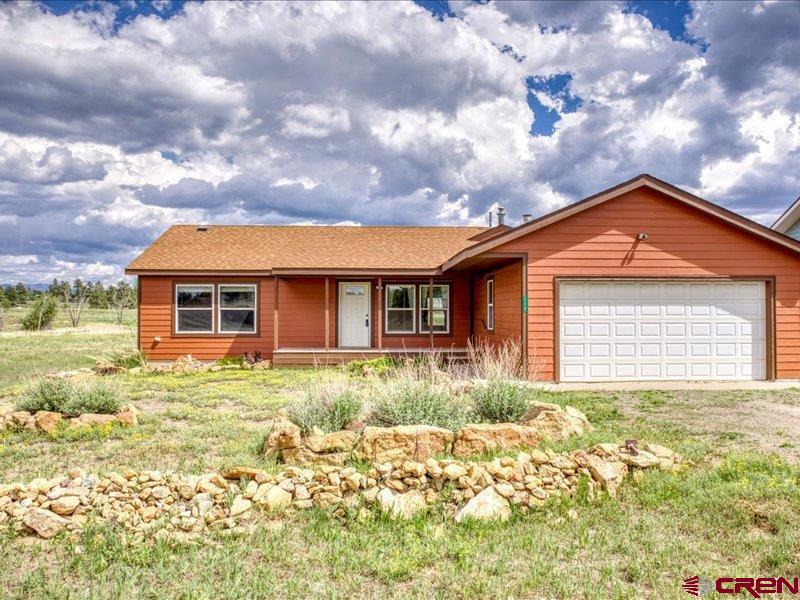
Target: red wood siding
pixel 507 304
pixel 156 316
pixel 681 242
pixel 301 318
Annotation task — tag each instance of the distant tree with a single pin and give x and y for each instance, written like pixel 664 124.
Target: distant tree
pixel 75 298
pixel 120 297
pixel 41 313
pixel 98 298
pixel 5 303
pixel 20 294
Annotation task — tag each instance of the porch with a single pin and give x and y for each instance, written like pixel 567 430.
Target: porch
pixel 331 318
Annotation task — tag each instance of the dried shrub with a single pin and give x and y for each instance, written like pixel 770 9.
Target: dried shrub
pixel 70 399
pixel 496 360
pixel 330 404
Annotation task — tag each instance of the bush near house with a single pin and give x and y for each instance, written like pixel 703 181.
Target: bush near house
pixel 330 404
pixel 500 401
pixel 67 398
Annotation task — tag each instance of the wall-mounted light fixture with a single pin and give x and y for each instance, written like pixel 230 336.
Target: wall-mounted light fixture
pixel 642 236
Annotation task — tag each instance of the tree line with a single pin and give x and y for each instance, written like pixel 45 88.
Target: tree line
pixel 74 297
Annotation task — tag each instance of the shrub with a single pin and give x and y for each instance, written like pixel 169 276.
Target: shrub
pixel 407 401
pixel 372 366
pixel 496 361
pixel 500 401
pixel 41 314
pixel 227 361
pixel 126 359
pixel 52 395
pixel 329 404
pixel 67 398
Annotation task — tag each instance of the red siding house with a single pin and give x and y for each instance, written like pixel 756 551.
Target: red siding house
pixel 642 281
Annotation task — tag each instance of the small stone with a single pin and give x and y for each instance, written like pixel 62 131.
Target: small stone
pixel 505 489
pixel 240 505
pixel 65 505
pixel 276 498
pixel 488 505
pixel 160 492
pixel 454 471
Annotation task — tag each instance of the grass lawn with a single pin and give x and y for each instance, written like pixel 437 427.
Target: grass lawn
pixel 735 512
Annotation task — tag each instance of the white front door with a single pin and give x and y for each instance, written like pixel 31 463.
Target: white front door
pixel 354 315
pixel 646 330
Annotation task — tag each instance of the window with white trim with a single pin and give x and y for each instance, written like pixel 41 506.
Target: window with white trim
pixel 400 308
pixel 441 308
pixel 237 308
pixel 490 304
pixel 194 308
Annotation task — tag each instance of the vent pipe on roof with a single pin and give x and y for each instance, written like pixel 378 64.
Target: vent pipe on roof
pixel 490 218
pixel 202 228
pixel 527 217
pixel 501 216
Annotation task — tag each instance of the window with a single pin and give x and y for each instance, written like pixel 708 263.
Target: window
pixel 400 305
pixel 441 308
pixel 490 304
pixel 194 308
pixel 237 308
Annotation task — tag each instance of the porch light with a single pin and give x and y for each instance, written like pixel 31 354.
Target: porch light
pixel 642 236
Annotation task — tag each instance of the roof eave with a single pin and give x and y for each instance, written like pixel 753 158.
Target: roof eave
pixel 789 217
pixel 613 192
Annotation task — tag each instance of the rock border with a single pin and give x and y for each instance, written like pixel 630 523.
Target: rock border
pixel 421 442
pixel 47 421
pixel 186 507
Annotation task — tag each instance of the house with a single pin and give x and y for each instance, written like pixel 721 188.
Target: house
pixel 642 281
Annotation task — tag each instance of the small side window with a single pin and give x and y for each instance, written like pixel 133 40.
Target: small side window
pixel 490 304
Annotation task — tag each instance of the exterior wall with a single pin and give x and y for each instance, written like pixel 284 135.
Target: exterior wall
pixel 507 304
pixel 601 241
pixel 156 313
pixel 301 317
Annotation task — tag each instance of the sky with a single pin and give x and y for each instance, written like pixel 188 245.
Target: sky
pixel 118 120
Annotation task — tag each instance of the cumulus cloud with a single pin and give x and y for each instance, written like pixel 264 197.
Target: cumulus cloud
pixel 356 112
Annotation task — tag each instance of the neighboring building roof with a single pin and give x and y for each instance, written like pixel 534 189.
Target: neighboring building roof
pixel 788 219
pixel 639 181
pixel 267 248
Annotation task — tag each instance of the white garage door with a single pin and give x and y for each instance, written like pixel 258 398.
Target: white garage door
pixel 649 330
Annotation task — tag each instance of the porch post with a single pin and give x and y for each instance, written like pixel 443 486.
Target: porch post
pixel 380 313
pixel 327 315
pixel 275 316
pixel 430 313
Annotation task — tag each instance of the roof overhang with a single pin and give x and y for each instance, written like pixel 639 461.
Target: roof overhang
pixel 647 181
pixel 284 272
pixel 196 273
pixel 788 218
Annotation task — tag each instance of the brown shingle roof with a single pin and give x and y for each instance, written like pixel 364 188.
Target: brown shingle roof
pixel 267 247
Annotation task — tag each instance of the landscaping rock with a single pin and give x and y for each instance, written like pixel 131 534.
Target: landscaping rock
pixel 284 434
pixel 127 418
pixel 338 441
pixel 303 457
pixel 276 498
pixel 65 505
pixel 89 419
pixel 487 437
pixel 402 506
pixel 44 522
pixel 240 506
pixel 555 423
pixel 47 421
pixel 486 506
pixel 608 473
pixel 413 442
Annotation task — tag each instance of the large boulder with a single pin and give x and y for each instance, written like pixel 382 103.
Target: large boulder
pixel 404 442
pixel 47 421
pixel 338 441
pixel 486 437
pixel 553 422
pixel 488 505
pixel 302 456
pixel 44 522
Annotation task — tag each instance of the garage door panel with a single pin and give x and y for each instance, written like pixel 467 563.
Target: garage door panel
pixel 662 330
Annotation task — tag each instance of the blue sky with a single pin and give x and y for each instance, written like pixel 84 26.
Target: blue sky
pixel 119 119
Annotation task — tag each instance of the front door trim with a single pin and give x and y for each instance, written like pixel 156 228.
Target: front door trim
pixel 340 305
